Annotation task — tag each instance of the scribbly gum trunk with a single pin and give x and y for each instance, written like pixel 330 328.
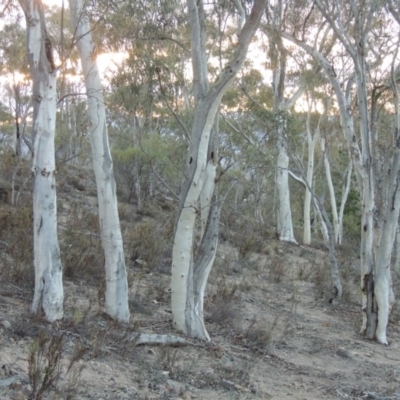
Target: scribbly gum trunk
pixel 198 199
pixel 49 295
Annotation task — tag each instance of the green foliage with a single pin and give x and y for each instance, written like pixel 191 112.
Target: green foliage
pixel 352 216
pixel 13 56
pixel 163 154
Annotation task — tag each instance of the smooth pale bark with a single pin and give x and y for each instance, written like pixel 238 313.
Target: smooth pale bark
pixel 284 211
pixel 281 107
pixel 397 246
pixel 207 193
pixel 311 142
pixel 329 239
pixel 345 194
pixel 383 281
pixel 49 295
pixel 116 301
pixel 332 195
pixel 189 276
pixel 383 259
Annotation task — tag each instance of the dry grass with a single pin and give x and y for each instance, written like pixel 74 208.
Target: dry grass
pixel 16 243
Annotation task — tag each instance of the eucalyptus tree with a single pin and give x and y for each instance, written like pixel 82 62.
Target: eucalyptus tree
pixel 116 301
pixel 48 294
pixel 189 276
pixel 289 85
pixel 354 25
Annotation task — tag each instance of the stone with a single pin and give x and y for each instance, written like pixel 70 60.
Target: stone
pixel 228 385
pixel 175 387
pixel 6 324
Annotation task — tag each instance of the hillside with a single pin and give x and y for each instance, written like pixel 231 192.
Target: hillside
pixel 274 333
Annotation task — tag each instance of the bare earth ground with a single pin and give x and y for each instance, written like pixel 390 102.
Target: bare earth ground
pixel 274 336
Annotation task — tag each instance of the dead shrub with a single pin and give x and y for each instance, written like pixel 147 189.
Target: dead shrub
pixel 45 366
pixel 168 358
pixel 221 306
pixel 259 335
pixel 277 270
pixel 350 277
pixel 80 243
pixel 322 282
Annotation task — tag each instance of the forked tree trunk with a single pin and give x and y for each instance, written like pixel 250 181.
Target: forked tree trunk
pixel 189 277
pixel 49 294
pixel 116 301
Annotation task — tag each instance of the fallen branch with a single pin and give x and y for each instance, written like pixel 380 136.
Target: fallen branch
pixel 153 338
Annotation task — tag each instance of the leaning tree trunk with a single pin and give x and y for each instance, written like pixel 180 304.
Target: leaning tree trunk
pixel 116 280
pixel 49 295
pixel 189 277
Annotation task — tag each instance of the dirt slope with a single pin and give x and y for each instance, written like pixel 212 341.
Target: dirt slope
pixel 274 336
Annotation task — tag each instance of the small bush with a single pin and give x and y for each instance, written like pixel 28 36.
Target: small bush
pixel 148 243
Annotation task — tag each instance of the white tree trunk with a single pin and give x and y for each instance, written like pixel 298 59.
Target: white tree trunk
pixel 284 212
pixel 189 277
pixel 383 295
pixel 116 280
pixel 48 294
pixel 383 281
pixel 345 194
pixel 397 247
pixel 335 217
pixel 311 142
